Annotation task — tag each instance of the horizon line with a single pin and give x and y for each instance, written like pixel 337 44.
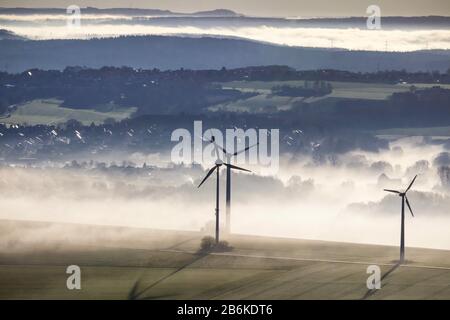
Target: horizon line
pixel 299 17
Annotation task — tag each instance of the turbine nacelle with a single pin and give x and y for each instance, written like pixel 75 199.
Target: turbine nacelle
pixel 403 194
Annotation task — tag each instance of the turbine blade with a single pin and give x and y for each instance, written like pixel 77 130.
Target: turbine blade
pixel 409 206
pixel 203 139
pixel 239 152
pixel 216 151
pixel 207 176
pixel 243 150
pixel 393 191
pixel 216 146
pixel 235 167
pixel 213 141
pixel 221 148
pixel 410 185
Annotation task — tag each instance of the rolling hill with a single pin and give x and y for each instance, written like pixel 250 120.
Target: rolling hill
pixel 9 35
pixel 117 11
pixel 174 52
pixel 165 265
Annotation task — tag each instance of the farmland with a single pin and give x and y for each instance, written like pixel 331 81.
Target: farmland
pixel 167 265
pixel 264 101
pixel 51 112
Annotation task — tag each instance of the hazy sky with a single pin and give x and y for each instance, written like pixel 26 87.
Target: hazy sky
pixel 261 7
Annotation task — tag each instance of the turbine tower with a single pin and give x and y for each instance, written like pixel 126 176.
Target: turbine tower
pixel 216 168
pixel 229 166
pixel 402 230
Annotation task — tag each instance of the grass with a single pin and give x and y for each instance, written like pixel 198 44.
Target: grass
pixel 50 112
pixel 264 101
pixel 352 90
pixel 261 103
pixel 165 265
pixel 430 132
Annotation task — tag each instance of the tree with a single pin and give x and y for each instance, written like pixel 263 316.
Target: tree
pixel 444 175
pixel 207 243
pixel 73 124
pixel 109 121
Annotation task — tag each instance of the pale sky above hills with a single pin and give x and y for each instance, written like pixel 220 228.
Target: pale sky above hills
pixel 262 7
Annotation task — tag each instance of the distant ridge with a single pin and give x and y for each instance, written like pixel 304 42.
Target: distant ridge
pixel 9 35
pixel 218 13
pixel 215 12
pixel 174 52
pixel 223 16
pixel 120 11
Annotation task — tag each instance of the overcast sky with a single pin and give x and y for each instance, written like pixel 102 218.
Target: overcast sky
pixel 262 7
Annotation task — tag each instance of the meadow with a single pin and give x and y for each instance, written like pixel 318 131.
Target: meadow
pixel 51 112
pixel 133 263
pixel 264 101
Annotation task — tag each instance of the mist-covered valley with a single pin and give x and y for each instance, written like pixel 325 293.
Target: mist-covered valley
pixel 339 198
pixel 397 34
pixel 47 39
pixel 128 136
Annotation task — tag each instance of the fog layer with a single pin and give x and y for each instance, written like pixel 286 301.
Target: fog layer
pixel 55 27
pixel 340 198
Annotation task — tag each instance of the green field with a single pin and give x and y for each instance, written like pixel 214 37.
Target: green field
pixel 265 102
pixel 429 132
pixel 261 103
pixel 353 90
pixel 166 265
pixel 50 112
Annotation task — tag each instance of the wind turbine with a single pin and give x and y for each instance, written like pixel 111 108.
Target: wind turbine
pixel 216 168
pixel 402 232
pixel 229 166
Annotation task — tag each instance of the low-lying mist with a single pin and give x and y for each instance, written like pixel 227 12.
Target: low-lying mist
pixel 339 198
pixel 43 28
